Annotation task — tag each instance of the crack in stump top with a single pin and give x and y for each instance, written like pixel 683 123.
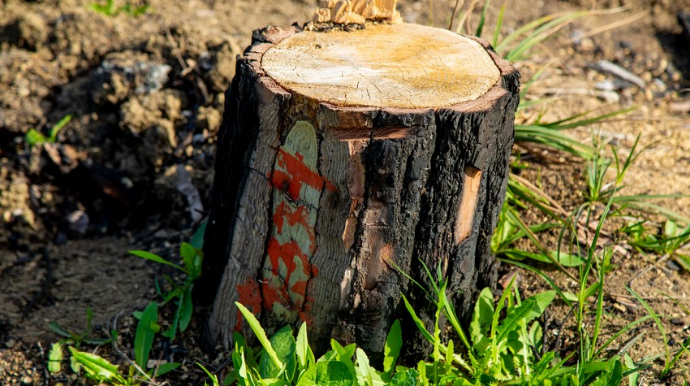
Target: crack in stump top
pixel 400 65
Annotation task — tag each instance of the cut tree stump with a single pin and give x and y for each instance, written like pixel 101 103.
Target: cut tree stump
pixel 347 161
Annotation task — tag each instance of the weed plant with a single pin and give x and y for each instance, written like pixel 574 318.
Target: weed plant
pixel 34 137
pixel 99 369
pixel 112 10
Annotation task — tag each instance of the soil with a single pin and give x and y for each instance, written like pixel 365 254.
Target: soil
pixel 133 168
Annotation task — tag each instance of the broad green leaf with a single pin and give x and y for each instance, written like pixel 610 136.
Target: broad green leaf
pixel 421 369
pixel 612 376
pixel 284 345
pixel 364 370
pixel 345 355
pixel 186 308
pixel 304 353
pixel 392 349
pixel 513 317
pixel 541 301
pixel 260 334
pixel 328 356
pixel 55 358
pixel 198 237
pixel 146 330
pixel 166 368
pixel 535 335
pixel 75 365
pixel 241 344
pixel 634 377
pixel 244 374
pixel 346 352
pixel 230 378
pixel 670 229
pixel 481 320
pixel 95 366
pixel 56 328
pixel 404 377
pixel 332 373
pixel 156 258
pixel 188 254
pixel 273 382
pixel 34 137
pixel 449 352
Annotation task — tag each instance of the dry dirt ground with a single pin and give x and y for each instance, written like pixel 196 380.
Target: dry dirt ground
pixel 133 168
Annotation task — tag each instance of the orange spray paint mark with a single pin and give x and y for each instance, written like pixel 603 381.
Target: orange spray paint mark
pixel 283 288
pixel 250 297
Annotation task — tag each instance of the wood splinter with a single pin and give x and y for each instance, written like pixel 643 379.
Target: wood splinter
pixel 357 11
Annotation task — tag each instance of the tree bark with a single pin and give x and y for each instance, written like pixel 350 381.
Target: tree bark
pixel 330 192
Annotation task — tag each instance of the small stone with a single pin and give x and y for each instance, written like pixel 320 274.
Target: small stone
pixel 586 45
pixel 10 343
pixel 670 264
pixel 647 76
pixel 78 221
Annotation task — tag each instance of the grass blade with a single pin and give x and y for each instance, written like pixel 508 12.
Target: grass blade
pixel 499 24
pixel 658 323
pixel 566 299
pixel 146 330
pixel 482 19
pixel 260 334
pixel 153 257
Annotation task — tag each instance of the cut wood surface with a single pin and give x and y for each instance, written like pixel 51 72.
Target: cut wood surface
pixel 346 162
pixel 400 65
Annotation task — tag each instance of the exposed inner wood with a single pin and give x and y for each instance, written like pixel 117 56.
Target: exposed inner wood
pixel 468 204
pixel 356 11
pixel 399 65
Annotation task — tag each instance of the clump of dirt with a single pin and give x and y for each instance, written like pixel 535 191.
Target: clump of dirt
pixel 144 98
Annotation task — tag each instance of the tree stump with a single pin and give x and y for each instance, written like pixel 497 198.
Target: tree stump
pixel 346 157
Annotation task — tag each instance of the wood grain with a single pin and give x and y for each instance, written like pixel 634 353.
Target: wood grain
pixel 400 65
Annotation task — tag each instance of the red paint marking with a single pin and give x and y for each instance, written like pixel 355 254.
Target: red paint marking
pixel 296 175
pixel 250 297
pixel 290 175
pixel 293 216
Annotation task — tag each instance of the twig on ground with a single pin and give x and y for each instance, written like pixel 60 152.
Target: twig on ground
pixel 606 67
pixel 458 4
pixel 556 346
pixel 46 374
pixel 647 269
pixel 614 25
pixel 119 352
